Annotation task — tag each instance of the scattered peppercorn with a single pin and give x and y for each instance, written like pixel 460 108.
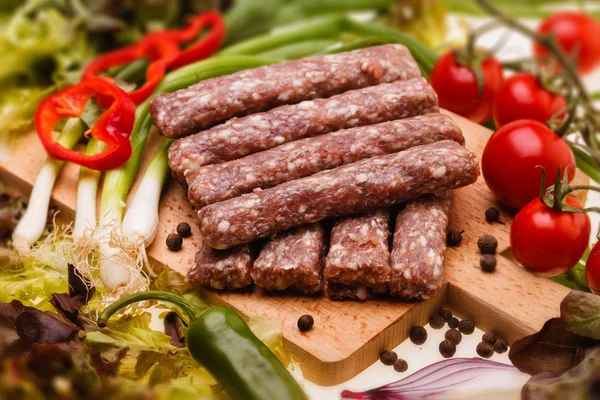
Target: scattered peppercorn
pixel 400 365
pixel 174 242
pixel 492 214
pixel 437 322
pixel 500 346
pixel 447 349
pixel 454 336
pixel 485 350
pixel 488 263
pixel 418 335
pixel 489 338
pixel 466 327
pixel 184 229
pixel 454 237
pixel 388 357
pixel 446 314
pixel 487 244
pixel 305 323
pixel 453 323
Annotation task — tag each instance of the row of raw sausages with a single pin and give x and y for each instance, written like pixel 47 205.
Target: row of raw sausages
pixel 349 155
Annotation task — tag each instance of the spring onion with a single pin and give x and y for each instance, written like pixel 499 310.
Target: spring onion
pixel 32 225
pixel 87 188
pixel 454 378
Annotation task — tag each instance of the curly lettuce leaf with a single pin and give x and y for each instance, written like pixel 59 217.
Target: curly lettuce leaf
pixel 29 281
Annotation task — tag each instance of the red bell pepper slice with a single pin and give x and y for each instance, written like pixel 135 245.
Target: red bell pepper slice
pixel 204 47
pixel 161 53
pixel 113 127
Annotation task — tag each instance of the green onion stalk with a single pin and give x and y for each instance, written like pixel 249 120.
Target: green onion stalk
pixel 33 223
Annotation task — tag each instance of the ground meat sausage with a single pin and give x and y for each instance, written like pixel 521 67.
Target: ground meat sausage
pixel 222 269
pixel 350 189
pixel 306 157
pixel 419 247
pixel 292 259
pixel 239 137
pixel 213 101
pixel 358 262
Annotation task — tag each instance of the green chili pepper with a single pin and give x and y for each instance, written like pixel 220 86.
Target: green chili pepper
pixel 222 342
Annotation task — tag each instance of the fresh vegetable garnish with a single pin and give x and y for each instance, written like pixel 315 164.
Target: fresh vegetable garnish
pixel 577 35
pixel 467 82
pixel 113 126
pixel 592 269
pixel 550 234
pixel 524 97
pixel 511 155
pixel 452 378
pixel 219 339
pixel 161 54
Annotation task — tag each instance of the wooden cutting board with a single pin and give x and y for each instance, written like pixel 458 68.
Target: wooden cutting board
pixel 348 336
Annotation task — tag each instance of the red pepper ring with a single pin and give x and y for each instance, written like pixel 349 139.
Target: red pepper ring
pixel 161 52
pixel 113 127
pixel 204 47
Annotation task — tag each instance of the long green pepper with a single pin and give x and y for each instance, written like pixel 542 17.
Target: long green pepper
pixel 220 340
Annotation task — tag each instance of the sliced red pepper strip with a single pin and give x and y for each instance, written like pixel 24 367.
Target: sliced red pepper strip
pixel 160 51
pixel 113 127
pixel 204 47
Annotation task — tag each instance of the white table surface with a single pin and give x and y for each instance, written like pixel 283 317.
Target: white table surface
pixel 418 357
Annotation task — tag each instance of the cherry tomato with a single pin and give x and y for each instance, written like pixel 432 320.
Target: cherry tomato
pixel 549 242
pixel 575 32
pixel 592 269
pixel 511 155
pixel 522 97
pixel 456 87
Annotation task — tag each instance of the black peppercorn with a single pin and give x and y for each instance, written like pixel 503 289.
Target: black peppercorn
pixel 488 263
pixel 437 322
pixel 174 242
pixel 418 335
pixel 184 229
pixel 388 357
pixel 447 315
pixel 400 365
pixel 500 346
pixel 466 327
pixel 453 323
pixel 447 349
pixel 492 214
pixel 485 350
pixel 487 244
pixel 489 338
pixel 454 336
pixel 305 323
pixel 454 237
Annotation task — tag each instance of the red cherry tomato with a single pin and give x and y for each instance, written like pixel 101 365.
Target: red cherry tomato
pixel 592 269
pixel 522 97
pixel 456 87
pixel 575 32
pixel 549 242
pixel 511 155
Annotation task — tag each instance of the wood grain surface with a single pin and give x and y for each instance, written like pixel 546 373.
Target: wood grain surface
pixel 348 336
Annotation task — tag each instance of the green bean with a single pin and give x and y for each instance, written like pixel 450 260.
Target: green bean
pixel 317 28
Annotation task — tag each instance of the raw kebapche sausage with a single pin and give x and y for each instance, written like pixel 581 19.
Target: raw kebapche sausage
pixel 239 137
pixel 215 100
pixel 358 262
pixel 306 157
pixel 419 247
pixel 292 259
pixel 350 189
pixel 222 269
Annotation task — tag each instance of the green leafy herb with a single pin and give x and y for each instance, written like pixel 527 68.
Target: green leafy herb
pixel 581 313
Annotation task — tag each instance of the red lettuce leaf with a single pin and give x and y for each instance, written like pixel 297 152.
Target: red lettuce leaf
pixel 553 349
